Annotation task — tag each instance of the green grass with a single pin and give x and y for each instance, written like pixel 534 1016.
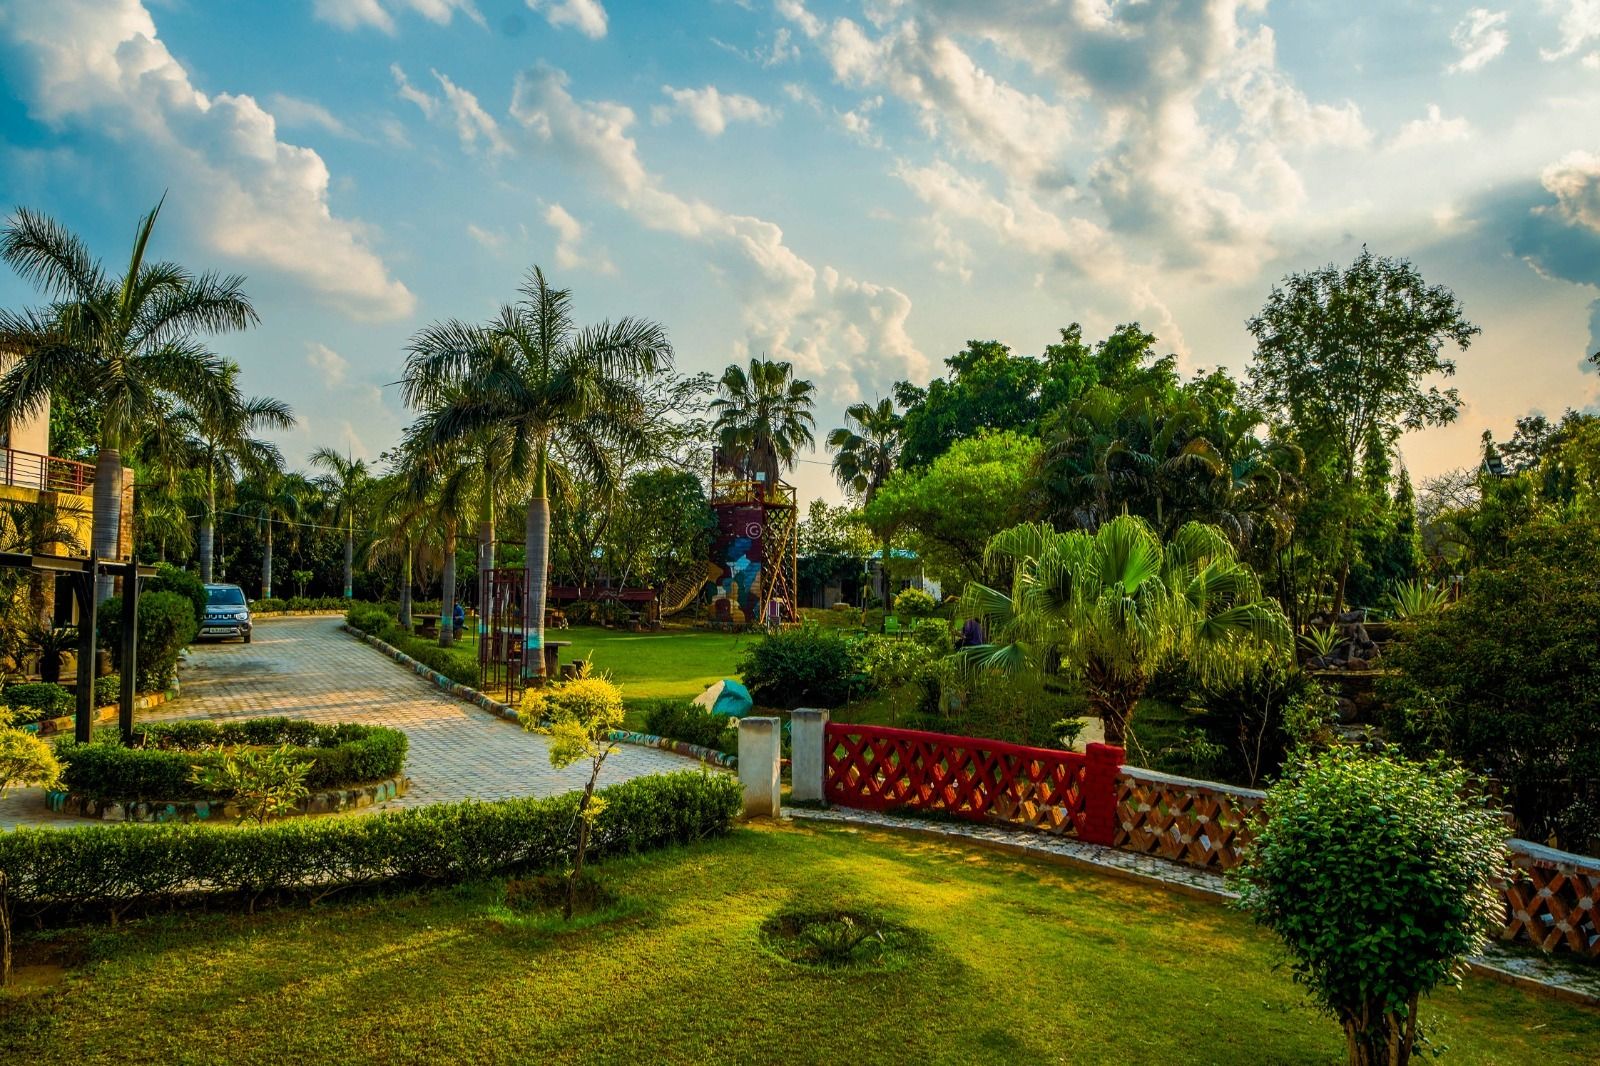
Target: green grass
pixel 1018 962
pixel 669 663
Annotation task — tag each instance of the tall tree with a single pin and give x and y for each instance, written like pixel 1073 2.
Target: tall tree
pixel 347 485
pixel 1117 604
pixel 1346 356
pixel 555 379
pixel 866 450
pixel 220 445
pixel 763 417
pixel 268 497
pixel 129 345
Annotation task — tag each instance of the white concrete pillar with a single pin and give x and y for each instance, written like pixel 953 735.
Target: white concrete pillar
pixel 808 729
pixel 760 759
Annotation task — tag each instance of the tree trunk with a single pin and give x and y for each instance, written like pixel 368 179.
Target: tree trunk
pixel 1387 1042
pixel 405 587
pixel 537 545
pixel 266 565
pixel 583 846
pixel 1112 697
pixel 350 560
pixel 107 520
pixel 447 587
pixel 207 548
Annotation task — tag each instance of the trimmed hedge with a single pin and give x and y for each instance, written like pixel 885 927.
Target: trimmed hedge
pixel 71 872
pixel 805 667
pixel 687 721
pixel 300 603
pixel 340 756
pixel 36 700
pixel 378 621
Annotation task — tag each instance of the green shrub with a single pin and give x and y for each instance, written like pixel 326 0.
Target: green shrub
pixel 340 756
pixel 804 667
pixel 36 700
pixel 379 621
pixel 890 662
pixel 116 868
pixel 1381 876
pixel 691 723
pixel 914 603
pixel 185 583
pixel 166 626
pixel 306 603
pixel 934 634
pixel 107 690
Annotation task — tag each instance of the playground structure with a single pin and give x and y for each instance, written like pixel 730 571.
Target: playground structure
pixel 755 551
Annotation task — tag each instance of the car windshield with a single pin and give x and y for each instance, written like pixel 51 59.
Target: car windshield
pixel 227 596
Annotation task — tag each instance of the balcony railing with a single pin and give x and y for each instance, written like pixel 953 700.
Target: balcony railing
pixel 48 473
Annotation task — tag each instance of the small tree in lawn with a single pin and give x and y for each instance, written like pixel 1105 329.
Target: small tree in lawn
pixel 578 717
pixel 24 760
pixel 264 784
pixel 1381 876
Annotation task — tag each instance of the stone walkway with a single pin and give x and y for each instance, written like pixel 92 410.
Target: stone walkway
pixel 1553 974
pixel 310 668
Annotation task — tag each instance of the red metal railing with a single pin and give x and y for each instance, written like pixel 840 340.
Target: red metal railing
pixel 47 473
pixel 1064 792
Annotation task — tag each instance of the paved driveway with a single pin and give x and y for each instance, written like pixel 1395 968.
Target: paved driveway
pixel 310 668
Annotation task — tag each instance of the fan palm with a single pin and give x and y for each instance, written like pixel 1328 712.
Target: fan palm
pixel 865 451
pixel 763 418
pixel 1116 604
pixel 347 485
pixel 552 378
pixel 129 343
pixel 218 446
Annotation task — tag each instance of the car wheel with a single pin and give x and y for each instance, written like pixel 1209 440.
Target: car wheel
pixel 247 638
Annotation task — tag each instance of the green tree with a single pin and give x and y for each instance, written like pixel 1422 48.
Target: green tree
pixel 763 418
pixel 1346 356
pixel 1381 876
pixel 965 496
pixel 347 486
pixel 1116 605
pixel 268 497
pixel 128 345
pixel 556 379
pixel 662 522
pixel 866 449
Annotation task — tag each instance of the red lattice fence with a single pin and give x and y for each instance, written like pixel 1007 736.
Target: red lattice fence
pixel 1060 792
pixel 1553 899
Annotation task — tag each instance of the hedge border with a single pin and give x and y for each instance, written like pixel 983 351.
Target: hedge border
pixel 50 727
pixel 468 694
pixel 328 801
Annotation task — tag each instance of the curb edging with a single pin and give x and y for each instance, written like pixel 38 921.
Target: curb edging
pixel 328 801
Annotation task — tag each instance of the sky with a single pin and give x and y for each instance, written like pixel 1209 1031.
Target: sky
pixel 859 188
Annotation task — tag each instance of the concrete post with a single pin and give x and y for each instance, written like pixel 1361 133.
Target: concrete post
pixel 760 755
pixel 808 730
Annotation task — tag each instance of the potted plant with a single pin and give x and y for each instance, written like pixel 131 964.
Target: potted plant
pixel 53 642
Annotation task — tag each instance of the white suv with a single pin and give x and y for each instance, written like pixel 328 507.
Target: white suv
pixel 227 613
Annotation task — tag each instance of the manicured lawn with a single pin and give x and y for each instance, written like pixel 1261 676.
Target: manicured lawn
pixel 1021 962
pixel 651 665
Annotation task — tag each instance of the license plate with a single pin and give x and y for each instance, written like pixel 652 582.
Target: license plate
pixel 216 631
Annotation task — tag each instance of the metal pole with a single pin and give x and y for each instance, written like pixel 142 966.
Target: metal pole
pixel 130 650
pixel 83 588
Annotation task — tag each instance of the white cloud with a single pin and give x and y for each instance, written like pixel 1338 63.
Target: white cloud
pixel 1479 38
pixel 295 113
pixel 328 363
pixel 473 123
pixel 780 51
pixel 1580 24
pixel 491 241
pixel 100 68
pixel 858 122
pixel 1432 130
pixel 711 109
pixel 356 14
pixel 826 323
pixel 1575 183
pixel 569 243
pixel 428 105
pixel 588 17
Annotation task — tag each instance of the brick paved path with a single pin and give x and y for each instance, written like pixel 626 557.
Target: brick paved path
pixel 310 668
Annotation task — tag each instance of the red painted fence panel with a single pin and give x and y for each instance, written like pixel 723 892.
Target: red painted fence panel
pixel 1065 792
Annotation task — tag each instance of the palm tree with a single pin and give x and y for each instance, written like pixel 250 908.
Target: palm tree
pixel 445 480
pixel 159 514
pixel 269 496
pixel 763 418
pixel 127 342
pixel 218 446
pixel 552 378
pixel 1116 604
pixel 866 449
pixel 347 485
pixel 401 512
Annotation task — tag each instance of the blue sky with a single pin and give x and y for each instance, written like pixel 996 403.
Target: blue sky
pixel 858 187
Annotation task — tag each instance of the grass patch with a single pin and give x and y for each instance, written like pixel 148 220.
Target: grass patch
pixel 1025 962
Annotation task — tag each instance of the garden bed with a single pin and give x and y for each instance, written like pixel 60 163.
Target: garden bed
pixel 350 766
pixel 63 725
